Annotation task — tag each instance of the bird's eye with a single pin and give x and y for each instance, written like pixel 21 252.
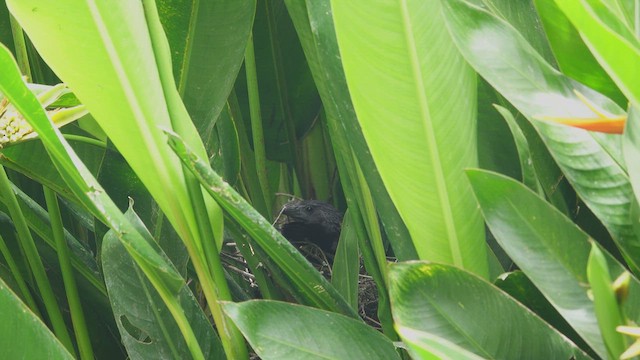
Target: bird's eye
pixel 308 208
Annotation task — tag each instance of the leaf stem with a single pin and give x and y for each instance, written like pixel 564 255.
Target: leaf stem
pixel 77 315
pixel 256 122
pixel 35 262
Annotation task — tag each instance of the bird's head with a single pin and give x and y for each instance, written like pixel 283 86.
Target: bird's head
pixel 312 212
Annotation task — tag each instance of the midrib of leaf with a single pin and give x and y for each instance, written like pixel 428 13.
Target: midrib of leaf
pixel 145 133
pixel 472 341
pixel 441 185
pixel 123 79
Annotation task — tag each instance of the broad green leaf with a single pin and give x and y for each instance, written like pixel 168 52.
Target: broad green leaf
pixel 278 330
pixel 405 85
pixel 591 162
pixel 118 77
pixel 314 24
pixel 599 177
pixel 22 334
pixel 606 305
pixel 519 287
pixel 450 303
pixel 366 196
pixel 610 40
pixel 208 40
pixel 549 248
pixel 506 60
pixel 121 184
pixel 572 54
pixel 147 328
pixel 310 285
pixel 523 17
pixel 167 282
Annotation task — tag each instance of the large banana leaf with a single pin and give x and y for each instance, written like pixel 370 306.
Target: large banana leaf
pixel 450 303
pixel 406 88
pixel 549 248
pixel 314 23
pixel 278 330
pixel 592 162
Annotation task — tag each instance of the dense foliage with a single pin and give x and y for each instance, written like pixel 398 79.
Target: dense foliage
pixel 485 155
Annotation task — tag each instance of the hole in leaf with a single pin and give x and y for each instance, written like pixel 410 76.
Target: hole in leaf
pixel 134 331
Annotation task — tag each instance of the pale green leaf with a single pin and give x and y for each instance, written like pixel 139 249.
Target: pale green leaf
pixel 405 86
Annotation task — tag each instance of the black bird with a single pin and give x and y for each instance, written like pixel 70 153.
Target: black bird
pixel 312 221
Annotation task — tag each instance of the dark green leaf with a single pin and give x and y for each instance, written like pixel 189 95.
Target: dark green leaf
pixel 148 329
pixel 450 303
pixel 22 334
pixel 279 330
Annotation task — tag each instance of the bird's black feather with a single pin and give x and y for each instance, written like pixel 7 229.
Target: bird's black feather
pixel 313 221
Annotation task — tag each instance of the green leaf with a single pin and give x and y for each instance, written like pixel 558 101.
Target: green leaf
pixel 611 41
pixel 278 330
pixel 208 40
pixel 6 36
pixel 162 275
pixel 147 328
pixel 119 78
pixel 599 177
pixel 430 148
pixel 496 147
pixel 22 334
pixel 312 286
pixel 529 176
pixel 549 248
pixel 425 346
pixel 592 162
pixel 573 56
pixel 631 149
pixel 465 310
pixel 288 96
pixel 346 265
pixel 518 286
pixel 506 60
pixel 314 25
pixel 606 305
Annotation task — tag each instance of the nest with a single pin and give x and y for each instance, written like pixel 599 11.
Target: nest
pixel 367 289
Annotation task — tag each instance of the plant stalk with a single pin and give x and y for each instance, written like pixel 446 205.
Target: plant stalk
pixel 201 244
pixel 20 47
pixel 71 288
pixel 35 263
pixel 22 285
pixel 256 123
